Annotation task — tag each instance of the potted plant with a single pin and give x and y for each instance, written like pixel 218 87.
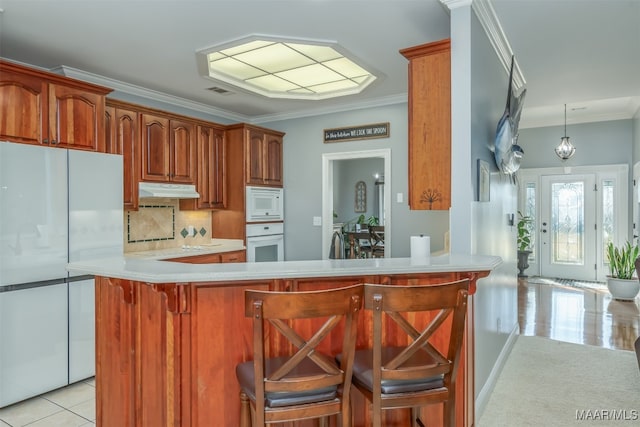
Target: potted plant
pixel 524 242
pixel 622 264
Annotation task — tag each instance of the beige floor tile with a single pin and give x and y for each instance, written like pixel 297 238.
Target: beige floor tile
pixel 90 381
pixel 3 424
pixel 85 409
pixel 88 425
pixel 26 412
pixel 60 419
pixel 71 395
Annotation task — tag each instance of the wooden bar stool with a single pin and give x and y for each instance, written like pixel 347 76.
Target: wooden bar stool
pixel 414 374
pixel 307 383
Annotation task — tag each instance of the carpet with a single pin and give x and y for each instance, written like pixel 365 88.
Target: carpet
pixel 546 383
pixel 583 284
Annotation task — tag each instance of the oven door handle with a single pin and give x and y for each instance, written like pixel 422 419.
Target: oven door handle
pixel 264 238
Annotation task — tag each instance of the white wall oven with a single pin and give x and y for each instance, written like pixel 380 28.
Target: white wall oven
pixel 265 242
pixel 264 204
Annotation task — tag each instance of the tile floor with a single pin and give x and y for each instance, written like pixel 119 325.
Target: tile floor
pixel 71 406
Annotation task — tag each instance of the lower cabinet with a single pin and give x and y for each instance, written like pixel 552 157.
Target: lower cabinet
pixel 233 256
pixel 174 346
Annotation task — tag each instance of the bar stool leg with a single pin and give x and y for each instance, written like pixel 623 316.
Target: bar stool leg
pixel 245 410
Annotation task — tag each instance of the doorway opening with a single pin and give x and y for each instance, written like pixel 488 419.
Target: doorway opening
pixel 329 185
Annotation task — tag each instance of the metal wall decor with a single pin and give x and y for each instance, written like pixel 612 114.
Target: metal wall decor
pixel 361 197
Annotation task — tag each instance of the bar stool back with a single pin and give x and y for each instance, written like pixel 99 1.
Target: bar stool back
pixel 307 383
pixel 415 374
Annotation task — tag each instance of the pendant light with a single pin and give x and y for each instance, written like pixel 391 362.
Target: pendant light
pixel 565 149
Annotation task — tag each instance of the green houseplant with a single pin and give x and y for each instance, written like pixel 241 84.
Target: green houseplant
pixel 524 242
pixel 622 265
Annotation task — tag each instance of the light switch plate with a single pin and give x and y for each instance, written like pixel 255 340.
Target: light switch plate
pixel 317 221
pixel 399 197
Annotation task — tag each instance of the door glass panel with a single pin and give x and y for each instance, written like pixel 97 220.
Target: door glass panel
pixel 608 213
pixel 530 211
pixel 567 222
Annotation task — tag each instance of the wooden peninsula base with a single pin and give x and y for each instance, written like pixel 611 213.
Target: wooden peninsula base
pixel 166 352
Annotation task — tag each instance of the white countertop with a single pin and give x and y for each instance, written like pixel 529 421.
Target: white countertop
pixel 157 271
pixel 213 247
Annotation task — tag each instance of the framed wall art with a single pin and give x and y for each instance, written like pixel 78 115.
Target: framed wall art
pixel 361 197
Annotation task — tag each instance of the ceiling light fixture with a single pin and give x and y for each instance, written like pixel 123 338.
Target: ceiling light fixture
pixel 285 69
pixel 565 149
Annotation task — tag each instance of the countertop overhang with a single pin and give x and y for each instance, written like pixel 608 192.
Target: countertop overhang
pixel 157 271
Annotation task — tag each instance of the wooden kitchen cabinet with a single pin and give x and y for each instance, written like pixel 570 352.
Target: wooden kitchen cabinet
pixel 221 257
pixel 429 125
pixel 38 107
pixel 211 169
pixel 123 137
pixel 263 157
pixel 175 346
pixel 168 149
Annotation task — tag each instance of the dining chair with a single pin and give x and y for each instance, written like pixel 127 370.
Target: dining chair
pixel 307 383
pixel 412 372
pixel 376 240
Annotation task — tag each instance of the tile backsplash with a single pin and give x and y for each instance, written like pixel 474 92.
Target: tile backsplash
pixel 159 224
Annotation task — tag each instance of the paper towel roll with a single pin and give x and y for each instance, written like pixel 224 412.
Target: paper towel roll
pixel 420 248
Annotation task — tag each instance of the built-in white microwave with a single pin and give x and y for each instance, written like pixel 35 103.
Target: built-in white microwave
pixel 264 204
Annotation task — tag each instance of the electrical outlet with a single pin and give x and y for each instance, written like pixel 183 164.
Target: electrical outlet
pixel 192 231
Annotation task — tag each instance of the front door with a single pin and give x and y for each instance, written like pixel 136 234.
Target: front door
pixel 567 227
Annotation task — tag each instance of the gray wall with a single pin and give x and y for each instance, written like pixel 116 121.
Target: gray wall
pixel 480 88
pixel 303 149
pixel 598 143
pixel 347 173
pixel 636 138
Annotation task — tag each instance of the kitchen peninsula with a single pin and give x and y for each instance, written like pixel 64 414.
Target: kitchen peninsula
pixel 169 334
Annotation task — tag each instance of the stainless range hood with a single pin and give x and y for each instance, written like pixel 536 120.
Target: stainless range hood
pixel 169 191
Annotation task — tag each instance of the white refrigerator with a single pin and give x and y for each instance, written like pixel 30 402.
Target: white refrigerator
pixel 56 206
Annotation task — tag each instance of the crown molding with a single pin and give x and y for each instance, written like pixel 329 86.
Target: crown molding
pixel 492 27
pixel 142 92
pixel 454 4
pixel 154 95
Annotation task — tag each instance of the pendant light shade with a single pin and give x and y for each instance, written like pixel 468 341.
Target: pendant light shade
pixel 565 149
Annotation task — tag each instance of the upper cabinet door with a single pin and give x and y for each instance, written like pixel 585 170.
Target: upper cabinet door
pixel 273 160
pixel 23 101
pixel 210 166
pixel 76 118
pixel 182 164
pixel 155 155
pixel 264 158
pixel 125 136
pixel 38 107
pixel 255 157
pixel 429 148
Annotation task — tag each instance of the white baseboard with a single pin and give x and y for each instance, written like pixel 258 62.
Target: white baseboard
pixel 485 393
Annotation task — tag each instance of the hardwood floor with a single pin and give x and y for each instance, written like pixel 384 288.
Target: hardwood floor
pixel 581 316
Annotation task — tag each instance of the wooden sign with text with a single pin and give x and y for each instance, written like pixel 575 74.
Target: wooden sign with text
pixel 376 130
